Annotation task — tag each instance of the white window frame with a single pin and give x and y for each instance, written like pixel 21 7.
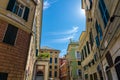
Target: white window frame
pixel 77 52
pixel 19 5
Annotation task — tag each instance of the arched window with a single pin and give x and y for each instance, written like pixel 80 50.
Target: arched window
pixel 109 59
pixel 108 72
pixel 117 66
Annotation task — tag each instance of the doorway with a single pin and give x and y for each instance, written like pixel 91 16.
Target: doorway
pixel 39 75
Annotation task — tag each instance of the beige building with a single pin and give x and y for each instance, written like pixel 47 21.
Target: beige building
pixel 41 68
pixel 99 44
pixel 34 41
pixel 16 23
pixel 53 64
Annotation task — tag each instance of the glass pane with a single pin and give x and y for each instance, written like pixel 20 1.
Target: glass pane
pixel 20 12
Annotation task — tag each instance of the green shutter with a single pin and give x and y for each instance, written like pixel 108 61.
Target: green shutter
pixel 11 4
pixel 26 13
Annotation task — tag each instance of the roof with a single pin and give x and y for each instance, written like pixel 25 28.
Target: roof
pixel 49 48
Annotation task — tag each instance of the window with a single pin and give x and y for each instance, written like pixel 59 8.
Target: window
pixel 87 43
pixel 117 66
pixel 86 76
pixel 55 74
pixel 95 57
pixel 79 63
pixel 3 76
pixel 83 54
pixel 91 38
pixel 18 9
pixel 10 34
pixel 98 30
pixel 50 67
pixel 104 12
pixel 97 41
pixel 109 59
pixel 108 72
pixel 55 67
pixel 78 72
pixel 50 60
pixel 50 73
pixel 36 52
pixel 77 54
pixel 95 76
pixel 55 60
pixel 85 51
pixel 93 62
pixel 91 77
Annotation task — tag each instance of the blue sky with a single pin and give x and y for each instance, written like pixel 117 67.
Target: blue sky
pixel 62 20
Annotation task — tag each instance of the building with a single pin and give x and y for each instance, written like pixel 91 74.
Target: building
pixel 41 68
pixel 53 64
pixel 63 69
pixel 73 62
pixel 16 22
pixel 34 41
pixel 99 44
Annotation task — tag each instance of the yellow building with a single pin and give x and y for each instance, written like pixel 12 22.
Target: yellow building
pixel 16 23
pixel 99 44
pixel 53 67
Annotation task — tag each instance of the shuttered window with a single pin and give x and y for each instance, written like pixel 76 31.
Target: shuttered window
pixel 10 34
pixel 87 44
pixel 104 12
pixel 11 4
pixel 18 9
pixel 26 13
pixel 97 41
pixel 3 76
pixel 55 60
pixel 91 38
pixel 55 74
pixel 99 31
pixel 50 60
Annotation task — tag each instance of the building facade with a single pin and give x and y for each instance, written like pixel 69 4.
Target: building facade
pixel 53 67
pixel 16 22
pixel 63 69
pixel 73 62
pixel 99 44
pixel 34 41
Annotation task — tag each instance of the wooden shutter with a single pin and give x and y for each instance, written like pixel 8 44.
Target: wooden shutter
pixel 109 59
pixel 10 34
pixel 26 13
pixel 11 4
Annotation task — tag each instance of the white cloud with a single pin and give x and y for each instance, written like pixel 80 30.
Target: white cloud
pixel 74 30
pixel 63 39
pixel 48 4
pixel 67 35
pixel 68 32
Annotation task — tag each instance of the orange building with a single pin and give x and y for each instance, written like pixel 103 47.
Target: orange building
pixel 63 69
